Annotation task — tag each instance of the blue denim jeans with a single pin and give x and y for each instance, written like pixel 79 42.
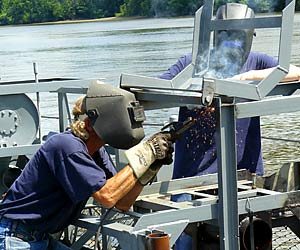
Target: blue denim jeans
pixel 15 235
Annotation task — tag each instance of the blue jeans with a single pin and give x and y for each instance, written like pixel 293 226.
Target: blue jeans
pixel 15 235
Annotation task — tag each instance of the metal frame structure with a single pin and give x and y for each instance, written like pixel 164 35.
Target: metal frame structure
pixel 61 86
pixel 55 85
pixel 154 212
pixel 265 97
pixel 195 72
pixel 235 193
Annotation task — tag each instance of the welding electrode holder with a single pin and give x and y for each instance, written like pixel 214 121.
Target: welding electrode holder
pixel 176 129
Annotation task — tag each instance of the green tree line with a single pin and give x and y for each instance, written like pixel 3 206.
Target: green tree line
pixel 33 11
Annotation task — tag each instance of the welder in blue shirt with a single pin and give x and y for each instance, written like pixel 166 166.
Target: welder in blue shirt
pixel 195 152
pixel 72 166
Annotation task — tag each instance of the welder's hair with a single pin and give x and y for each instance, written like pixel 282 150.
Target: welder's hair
pixel 78 126
pixel 77 109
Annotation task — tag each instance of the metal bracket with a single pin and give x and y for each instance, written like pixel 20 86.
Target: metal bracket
pixel 208 91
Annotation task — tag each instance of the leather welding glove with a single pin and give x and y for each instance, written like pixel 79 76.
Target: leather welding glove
pixel 141 156
pixel 150 174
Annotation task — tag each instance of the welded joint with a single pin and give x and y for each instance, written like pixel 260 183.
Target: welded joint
pixel 208 91
pixel 248 206
pixel 284 70
pixel 278 67
pixel 258 92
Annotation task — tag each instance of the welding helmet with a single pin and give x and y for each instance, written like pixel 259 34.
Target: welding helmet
pixel 233 45
pixel 114 114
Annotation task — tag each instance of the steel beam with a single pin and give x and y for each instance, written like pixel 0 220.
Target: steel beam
pixel 166 187
pixel 210 212
pixel 227 162
pixel 51 86
pixel 268 106
pixel 64 111
pixel 19 150
pixel 246 23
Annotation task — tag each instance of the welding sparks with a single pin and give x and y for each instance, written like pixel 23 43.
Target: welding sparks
pixel 201 136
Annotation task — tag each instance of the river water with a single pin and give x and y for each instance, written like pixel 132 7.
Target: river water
pixel 104 50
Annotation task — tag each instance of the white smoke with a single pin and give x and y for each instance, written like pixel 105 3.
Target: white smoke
pixel 159 8
pixel 266 5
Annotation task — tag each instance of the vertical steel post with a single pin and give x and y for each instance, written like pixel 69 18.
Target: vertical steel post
pixel 36 79
pixel 64 112
pixel 227 176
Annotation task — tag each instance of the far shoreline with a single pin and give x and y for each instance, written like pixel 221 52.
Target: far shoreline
pixel 113 19
pixel 103 19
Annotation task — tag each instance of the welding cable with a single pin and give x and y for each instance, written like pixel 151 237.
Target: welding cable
pixel 103 218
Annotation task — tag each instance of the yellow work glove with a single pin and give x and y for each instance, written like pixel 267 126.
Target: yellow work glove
pixel 152 171
pixel 141 156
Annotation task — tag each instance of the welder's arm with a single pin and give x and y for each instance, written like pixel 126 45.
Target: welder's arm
pixel 125 183
pixel 293 75
pixel 121 190
pixel 127 201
